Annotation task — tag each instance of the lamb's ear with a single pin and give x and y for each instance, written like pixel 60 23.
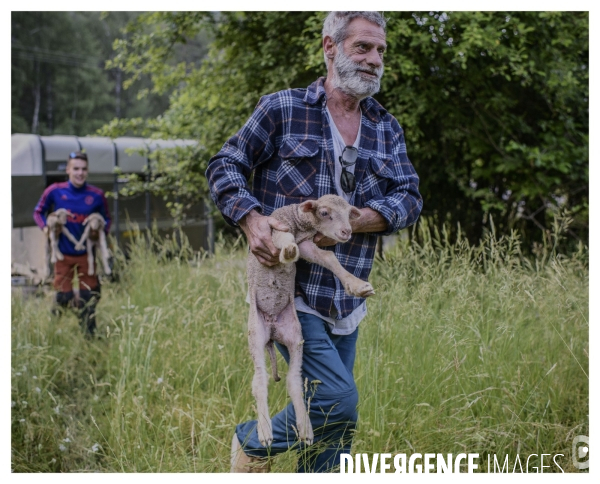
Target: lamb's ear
pixel 354 213
pixel 308 206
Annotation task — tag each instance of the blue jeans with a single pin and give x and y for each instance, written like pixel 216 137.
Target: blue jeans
pixel 329 359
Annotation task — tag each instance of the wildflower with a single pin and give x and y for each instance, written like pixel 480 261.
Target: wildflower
pixel 22 420
pixel 57 409
pixel 34 377
pixel 62 448
pixel 95 447
pixel 159 381
pixel 67 440
pixel 37 389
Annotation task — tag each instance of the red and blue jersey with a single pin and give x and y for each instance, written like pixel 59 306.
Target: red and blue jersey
pixel 81 202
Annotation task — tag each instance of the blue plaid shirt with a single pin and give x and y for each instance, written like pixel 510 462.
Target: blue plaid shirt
pixel 288 146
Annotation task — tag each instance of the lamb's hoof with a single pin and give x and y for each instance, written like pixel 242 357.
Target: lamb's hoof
pixel 362 289
pixel 265 433
pixel 265 440
pixel 308 437
pixel 289 254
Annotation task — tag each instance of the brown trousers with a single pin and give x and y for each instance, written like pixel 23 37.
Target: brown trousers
pixel 65 270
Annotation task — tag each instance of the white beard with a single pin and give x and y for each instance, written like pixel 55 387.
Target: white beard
pixel 347 78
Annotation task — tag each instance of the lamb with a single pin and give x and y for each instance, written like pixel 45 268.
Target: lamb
pixel 271 293
pixel 94 236
pixel 55 225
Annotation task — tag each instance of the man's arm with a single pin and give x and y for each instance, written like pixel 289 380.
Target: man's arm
pixel 104 211
pixel 229 170
pixel 43 207
pixel 401 205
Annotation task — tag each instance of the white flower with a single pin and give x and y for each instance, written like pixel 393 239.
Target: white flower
pixel 37 389
pixel 22 420
pixel 62 448
pixel 67 440
pixel 159 381
pixel 95 447
pixel 57 409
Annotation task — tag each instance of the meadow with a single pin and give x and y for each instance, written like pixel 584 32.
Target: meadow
pixel 466 348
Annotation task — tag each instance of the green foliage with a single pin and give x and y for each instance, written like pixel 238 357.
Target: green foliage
pixel 59 81
pixel 465 348
pixel 494 104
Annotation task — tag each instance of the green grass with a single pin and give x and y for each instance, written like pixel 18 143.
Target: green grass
pixel 465 349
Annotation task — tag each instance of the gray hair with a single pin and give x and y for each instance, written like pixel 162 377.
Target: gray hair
pixel 336 23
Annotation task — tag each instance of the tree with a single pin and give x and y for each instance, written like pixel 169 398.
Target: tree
pixel 59 81
pixel 494 104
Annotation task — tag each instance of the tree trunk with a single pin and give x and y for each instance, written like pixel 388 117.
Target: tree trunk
pixel 35 123
pixel 49 103
pixel 118 88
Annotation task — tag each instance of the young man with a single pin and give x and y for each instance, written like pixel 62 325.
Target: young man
pixel 81 200
pixel 301 144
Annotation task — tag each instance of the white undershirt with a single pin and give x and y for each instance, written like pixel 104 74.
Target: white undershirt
pixel 348 324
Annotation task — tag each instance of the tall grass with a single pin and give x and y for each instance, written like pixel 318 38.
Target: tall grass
pixel 465 349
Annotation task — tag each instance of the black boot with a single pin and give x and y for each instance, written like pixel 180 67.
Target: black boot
pixel 63 300
pixel 87 311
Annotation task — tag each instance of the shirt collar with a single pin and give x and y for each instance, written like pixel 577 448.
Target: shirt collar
pixel 316 93
pixel 73 187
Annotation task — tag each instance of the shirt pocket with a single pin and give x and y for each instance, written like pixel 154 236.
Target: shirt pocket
pixel 297 170
pixel 377 179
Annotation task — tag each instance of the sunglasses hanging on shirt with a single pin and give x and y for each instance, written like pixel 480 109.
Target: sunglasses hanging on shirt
pixel 348 158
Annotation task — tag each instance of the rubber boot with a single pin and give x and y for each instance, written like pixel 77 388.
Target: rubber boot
pixel 241 462
pixel 87 311
pixel 63 299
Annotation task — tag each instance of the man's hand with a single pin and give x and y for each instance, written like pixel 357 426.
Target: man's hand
pixel 257 228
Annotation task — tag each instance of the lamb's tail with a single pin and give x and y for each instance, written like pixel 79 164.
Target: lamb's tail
pixel 271 351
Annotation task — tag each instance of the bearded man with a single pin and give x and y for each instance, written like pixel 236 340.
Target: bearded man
pixel 301 144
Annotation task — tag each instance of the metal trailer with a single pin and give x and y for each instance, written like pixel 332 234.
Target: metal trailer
pixel 39 161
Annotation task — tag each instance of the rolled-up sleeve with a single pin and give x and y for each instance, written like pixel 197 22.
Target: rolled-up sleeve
pixel 402 202
pixel 229 170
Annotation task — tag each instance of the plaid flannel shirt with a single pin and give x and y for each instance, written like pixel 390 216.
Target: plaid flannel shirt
pixel 287 145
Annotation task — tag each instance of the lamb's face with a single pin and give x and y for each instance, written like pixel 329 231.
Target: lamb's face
pixel 95 224
pixel 61 216
pixel 332 216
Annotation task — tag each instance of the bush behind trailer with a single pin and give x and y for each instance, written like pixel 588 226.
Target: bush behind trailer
pixel 39 161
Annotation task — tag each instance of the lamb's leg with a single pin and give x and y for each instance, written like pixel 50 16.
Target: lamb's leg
pixel 70 236
pixel 55 252
pixel 290 334
pixel 257 340
pixel 90 257
pixel 286 242
pixel 104 252
pixel 352 284
pixel 79 244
